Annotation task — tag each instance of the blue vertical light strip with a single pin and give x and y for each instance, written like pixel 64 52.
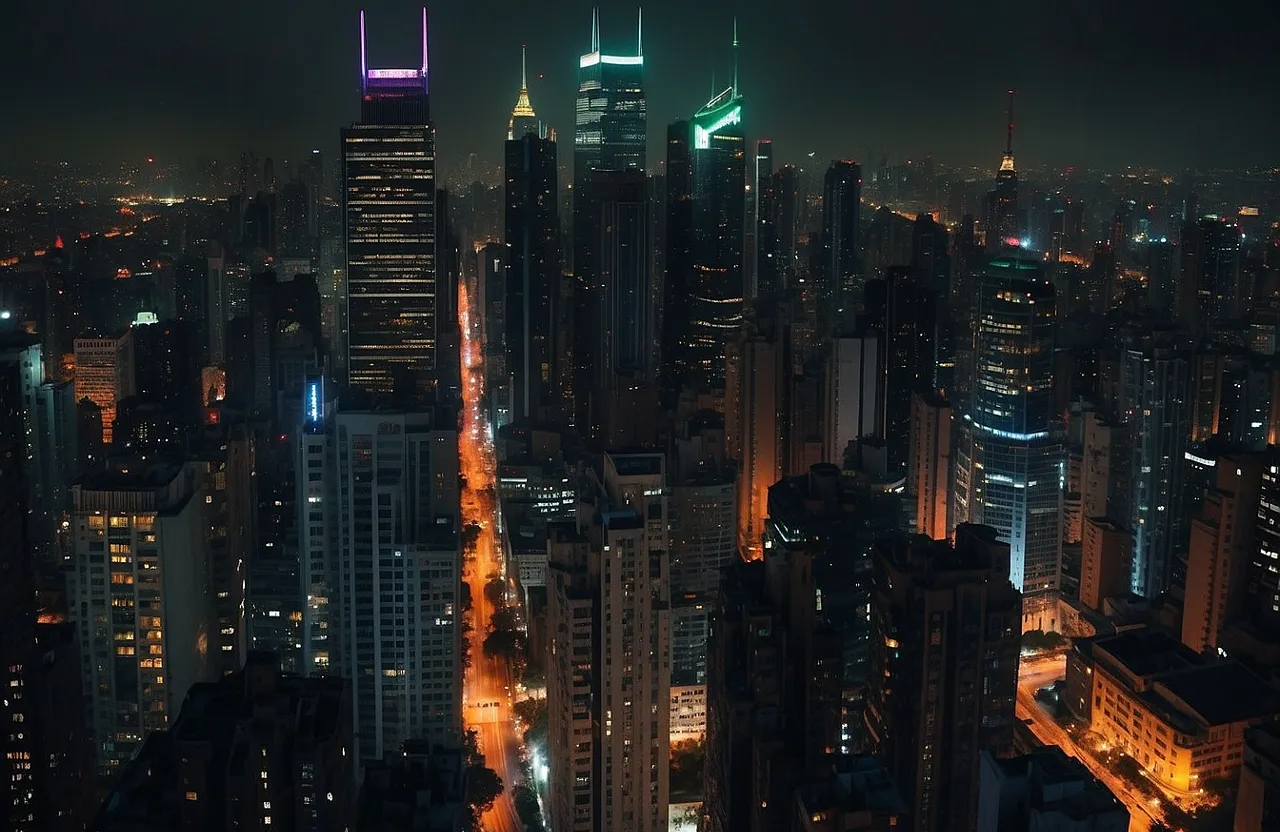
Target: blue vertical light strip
pixel 314 401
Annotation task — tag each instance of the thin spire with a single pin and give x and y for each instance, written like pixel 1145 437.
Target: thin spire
pixel 640 32
pixel 1008 143
pixel 595 29
pixel 364 63
pixel 524 78
pixel 735 54
pixel 424 41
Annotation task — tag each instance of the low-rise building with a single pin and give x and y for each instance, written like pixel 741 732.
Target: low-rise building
pixel 1163 705
pixel 1258 801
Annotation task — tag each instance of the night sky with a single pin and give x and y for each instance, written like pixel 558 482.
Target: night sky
pixel 1100 82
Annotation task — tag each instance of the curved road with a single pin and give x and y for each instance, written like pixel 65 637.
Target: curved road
pixel 1036 673
pixel 487 696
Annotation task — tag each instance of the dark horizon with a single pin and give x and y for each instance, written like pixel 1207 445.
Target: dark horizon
pixel 1169 85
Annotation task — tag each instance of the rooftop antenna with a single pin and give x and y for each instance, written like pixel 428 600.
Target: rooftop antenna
pixel 364 64
pixel 524 83
pixel 424 41
pixel 735 54
pixel 595 29
pixel 640 32
pixel 1008 142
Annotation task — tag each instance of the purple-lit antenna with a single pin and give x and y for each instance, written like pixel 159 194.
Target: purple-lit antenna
pixel 424 45
pixel 364 66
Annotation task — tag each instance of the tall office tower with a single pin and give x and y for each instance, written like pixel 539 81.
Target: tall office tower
pixel 841 257
pixel 703 503
pixel 139 599
pixel 786 191
pixel 1045 789
pixel 383 570
pixel 47 445
pixel 944 668
pixel 718 187
pixel 1104 562
pixel 824 525
pixel 756 392
pixel 524 121
pixel 389 194
pixel 929 465
pixel 905 310
pixel 256 749
pixel 610 133
pixel 1209 289
pixel 17 601
pixel 491 280
pixel 104 375
pixel 854 405
pixel 765 221
pixel 224 454
pixel 773 696
pixel 1155 405
pixel 1001 215
pixel 532 263
pixel 1162 279
pixel 678 276
pixel 1010 463
pixel 1096 476
pixel 608 679
pixel 930 260
pixel 1223 538
pixel 614 327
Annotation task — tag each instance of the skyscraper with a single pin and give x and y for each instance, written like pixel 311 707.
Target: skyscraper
pixel 608 674
pixel 610 128
pixel 944 668
pixel 1001 219
pixel 523 119
pixel 1010 463
pixel 718 192
pixel 766 224
pixel 382 570
pixel 389 195
pixel 1155 405
pixel 139 599
pixel 840 270
pixel 532 274
pixel 614 315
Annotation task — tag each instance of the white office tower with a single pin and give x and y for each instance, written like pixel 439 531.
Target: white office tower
pixel 140 599
pixel 608 671
pixel 381 569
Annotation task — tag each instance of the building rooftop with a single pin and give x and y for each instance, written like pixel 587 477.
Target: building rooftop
pixel 131 474
pixel 423 789
pixel 856 783
pixel 1223 692
pixel 1147 652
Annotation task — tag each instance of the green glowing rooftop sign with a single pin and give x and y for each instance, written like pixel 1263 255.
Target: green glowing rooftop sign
pixel 702 135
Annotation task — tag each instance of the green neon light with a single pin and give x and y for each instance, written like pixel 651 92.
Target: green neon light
pixel 702 135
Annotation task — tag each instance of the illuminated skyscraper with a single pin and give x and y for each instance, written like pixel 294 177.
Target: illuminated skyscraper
pixel 713 283
pixel 523 119
pixel 1155 403
pixel 389 194
pixel 1010 462
pixel 1001 218
pixel 610 127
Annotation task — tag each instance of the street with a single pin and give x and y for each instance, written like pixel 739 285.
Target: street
pixel 1038 672
pixel 487 694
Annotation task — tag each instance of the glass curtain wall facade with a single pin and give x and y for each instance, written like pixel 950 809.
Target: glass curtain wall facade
pixel 1011 459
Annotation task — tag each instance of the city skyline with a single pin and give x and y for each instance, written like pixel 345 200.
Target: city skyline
pixel 227 70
